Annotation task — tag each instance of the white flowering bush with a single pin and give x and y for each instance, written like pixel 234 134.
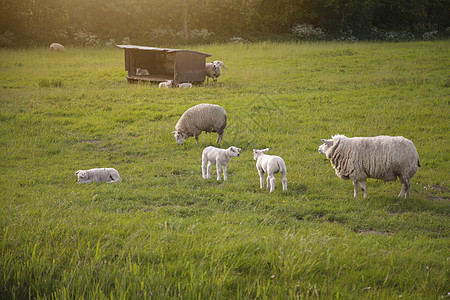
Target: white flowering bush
pixel 238 40
pixel 308 32
pixel 431 35
pixel 86 39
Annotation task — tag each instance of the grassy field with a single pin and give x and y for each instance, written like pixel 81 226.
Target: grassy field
pixel 164 232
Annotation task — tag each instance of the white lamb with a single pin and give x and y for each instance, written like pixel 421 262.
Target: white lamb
pixel 270 164
pixel 99 174
pixel 57 47
pixel 220 157
pixel 381 157
pixel 166 84
pixel 185 85
pixel 214 70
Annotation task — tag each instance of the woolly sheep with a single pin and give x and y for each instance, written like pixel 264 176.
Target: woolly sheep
pixel 142 72
pixel 214 70
pixel 98 174
pixel 270 164
pixel 185 85
pixel 201 117
pixel 221 157
pixel 57 47
pixel 381 157
pixel 166 84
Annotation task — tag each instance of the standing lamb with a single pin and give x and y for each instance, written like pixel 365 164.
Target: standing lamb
pixel 57 47
pixel 270 164
pixel 201 117
pixel 214 70
pixel 98 174
pixel 381 157
pixel 220 157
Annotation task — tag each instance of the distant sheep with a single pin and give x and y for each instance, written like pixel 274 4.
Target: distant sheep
pixel 98 174
pixel 220 157
pixel 214 70
pixel 142 72
pixel 270 164
pixel 201 117
pixel 381 157
pixel 185 85
pixel 166 84
pixel 57 47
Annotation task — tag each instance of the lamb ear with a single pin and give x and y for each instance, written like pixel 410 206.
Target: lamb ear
pixel 76 173
pixel 264 150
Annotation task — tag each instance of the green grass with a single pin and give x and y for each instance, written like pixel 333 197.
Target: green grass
pixel 164 232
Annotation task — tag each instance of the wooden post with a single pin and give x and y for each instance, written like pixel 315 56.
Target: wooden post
pixel 185 15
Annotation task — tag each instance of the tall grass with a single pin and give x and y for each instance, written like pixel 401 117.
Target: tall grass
pixel 165 232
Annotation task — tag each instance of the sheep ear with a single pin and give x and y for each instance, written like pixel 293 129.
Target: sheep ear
pixel 264 150
pixel 76 173
pixel 329 143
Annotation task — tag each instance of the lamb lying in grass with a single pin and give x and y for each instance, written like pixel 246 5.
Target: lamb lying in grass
pixel 381 157
pixel 166 84
pixel 220 157
pixel 271 165
pixel 185 85
pixel 98 174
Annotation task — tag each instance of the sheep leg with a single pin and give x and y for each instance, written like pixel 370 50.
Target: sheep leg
pixel 362 184
pixel 284 181
pixel 208 174
pixel 272 182
pixel 225 172
pixel 215 81
pixel 218 170
pixel 405 188
pixel 204 162
pixel 219 138
pixel 261 179
pixel 355 189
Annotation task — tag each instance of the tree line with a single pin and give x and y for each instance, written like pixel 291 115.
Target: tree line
pixel 158 22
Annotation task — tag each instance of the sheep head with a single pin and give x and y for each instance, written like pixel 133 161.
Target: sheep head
pixel 233 151
pixel 180 137
pixel 258 153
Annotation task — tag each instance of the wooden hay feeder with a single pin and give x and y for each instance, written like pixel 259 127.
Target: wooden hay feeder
pixel 164 64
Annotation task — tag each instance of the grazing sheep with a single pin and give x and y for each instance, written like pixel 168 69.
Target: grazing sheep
pixel 270 164
pixel 98 174
pixel 57 47
pixel 201 117
pixel 214 70
pixel 220 157
pixel 166 84
pixel 381 157
pixel 185 85
pixel 142 72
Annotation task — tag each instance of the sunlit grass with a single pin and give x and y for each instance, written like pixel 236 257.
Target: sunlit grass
pixel 165 232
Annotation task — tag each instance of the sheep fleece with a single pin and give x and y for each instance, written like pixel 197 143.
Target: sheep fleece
pixel 202 117
pixel 381 157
